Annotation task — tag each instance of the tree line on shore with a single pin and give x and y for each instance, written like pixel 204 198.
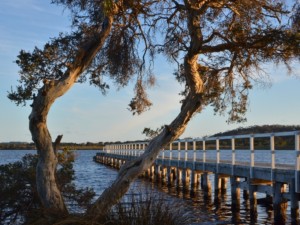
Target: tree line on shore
pixel 69 145
pixel 99 145
pixel 256 129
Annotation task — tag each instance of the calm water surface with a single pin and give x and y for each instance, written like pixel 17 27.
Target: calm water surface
pixel 203 207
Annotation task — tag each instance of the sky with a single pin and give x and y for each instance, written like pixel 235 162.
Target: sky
pixel 83 114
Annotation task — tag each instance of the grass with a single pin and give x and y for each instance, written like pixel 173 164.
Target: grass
pixel 147 209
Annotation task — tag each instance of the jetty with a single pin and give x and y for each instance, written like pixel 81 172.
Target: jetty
pixel 267 163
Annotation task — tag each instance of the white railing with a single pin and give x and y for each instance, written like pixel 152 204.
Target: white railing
pixel 202 149
pixel 209 150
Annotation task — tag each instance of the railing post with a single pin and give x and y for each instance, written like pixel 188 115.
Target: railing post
pixel 297 166
pixel 170 151
pixel 272 148
pixel 194 153
pixel 251 155
pixel 232 156
pixel 204 153
pixel 185 152
pixel 218 153
pixel 179 146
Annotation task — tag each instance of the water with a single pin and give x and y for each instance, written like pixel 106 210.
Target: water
pixel 203 207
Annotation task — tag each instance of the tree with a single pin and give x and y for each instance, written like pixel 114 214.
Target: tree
pixel 103 42
pixel 222 43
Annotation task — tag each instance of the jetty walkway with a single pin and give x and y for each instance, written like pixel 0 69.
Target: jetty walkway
pixel 266 163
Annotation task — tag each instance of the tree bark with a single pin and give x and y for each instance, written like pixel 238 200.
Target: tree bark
pixel 47 188
pixel 130 170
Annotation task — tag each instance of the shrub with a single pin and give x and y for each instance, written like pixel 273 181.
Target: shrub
pixel 147 209
pixel 19 199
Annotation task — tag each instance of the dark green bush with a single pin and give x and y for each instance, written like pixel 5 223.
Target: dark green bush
pixel 19 200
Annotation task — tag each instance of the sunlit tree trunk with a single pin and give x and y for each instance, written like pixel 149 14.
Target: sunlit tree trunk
pixel 47 188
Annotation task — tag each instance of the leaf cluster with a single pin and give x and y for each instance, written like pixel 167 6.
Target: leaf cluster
pixel 49 63
pixel 150 133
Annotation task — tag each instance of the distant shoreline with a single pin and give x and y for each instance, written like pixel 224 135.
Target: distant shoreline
pixel 35 149
pixel 31 146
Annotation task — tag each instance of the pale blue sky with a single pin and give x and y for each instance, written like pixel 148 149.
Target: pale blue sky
pixel 83 114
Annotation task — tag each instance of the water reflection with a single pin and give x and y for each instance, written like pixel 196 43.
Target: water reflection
pixel 209 205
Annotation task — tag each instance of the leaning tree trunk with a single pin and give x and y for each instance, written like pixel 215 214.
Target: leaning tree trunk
pixel 130 170
pixel 47 188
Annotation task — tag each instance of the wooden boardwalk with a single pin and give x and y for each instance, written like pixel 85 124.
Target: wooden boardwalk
pixel 280 182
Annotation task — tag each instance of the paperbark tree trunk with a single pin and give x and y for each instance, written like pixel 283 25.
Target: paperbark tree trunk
pixel 130 170
pixel 47 188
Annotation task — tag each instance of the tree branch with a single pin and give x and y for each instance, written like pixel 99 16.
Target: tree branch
pixel 57 143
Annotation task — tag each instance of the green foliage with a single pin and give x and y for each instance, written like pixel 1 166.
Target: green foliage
pixel 152 133
pixel 258 129
pixel 281 143
pixel 19 199
pixel 18 189
pixel 69 145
